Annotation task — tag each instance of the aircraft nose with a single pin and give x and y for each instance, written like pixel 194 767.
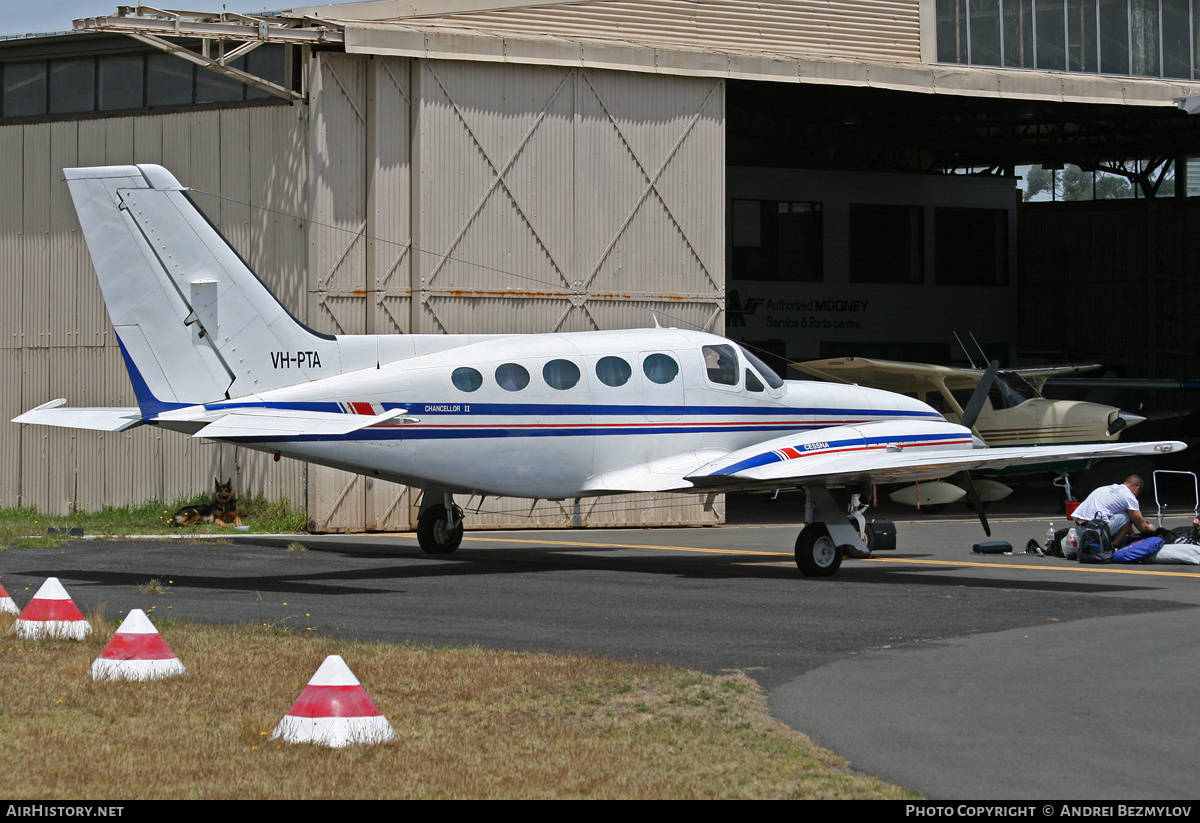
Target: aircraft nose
pixel 1123 420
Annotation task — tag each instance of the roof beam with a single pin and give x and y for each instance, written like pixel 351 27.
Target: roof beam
pixel 150 25
pixel 206 25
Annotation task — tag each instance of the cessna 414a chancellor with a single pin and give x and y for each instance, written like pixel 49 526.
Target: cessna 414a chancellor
pixel 212 354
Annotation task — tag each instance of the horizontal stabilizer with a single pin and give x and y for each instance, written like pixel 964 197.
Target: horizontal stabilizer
pixel 259 423
pixel 105 419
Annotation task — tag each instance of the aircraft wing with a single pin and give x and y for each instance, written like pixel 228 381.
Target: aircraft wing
pixel 875 453
pixel 272 422
pixel 105 419
pixel 1038 376
pixel 892 375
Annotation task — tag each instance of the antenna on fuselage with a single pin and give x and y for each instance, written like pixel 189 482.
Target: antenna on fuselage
pixel 982 354
pixel 964 348
pixel 656 323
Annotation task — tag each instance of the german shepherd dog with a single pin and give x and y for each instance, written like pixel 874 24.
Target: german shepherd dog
pixel 223 511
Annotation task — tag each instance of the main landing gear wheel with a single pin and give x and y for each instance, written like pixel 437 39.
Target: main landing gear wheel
pixel 433 532
pixel 816 553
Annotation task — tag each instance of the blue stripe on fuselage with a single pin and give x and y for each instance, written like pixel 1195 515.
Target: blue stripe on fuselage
pixel 582 410
pixel 832 447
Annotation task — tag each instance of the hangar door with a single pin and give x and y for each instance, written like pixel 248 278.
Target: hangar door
pixel 456 197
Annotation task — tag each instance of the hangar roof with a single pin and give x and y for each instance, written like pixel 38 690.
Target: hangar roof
pixel 862 43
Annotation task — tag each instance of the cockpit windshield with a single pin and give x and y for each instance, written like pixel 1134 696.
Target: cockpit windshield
pixel 1013 389
pixel 765 371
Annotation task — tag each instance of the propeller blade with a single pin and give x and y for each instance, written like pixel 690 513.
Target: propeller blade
pixel 974 495
pixel 979 397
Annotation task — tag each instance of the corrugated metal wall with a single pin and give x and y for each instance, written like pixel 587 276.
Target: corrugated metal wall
pixel 560 199
pixel 546 199
pixel 880 29
pixel 57 341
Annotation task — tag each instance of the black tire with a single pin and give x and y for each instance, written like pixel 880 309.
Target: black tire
pixel 934 509
pixel 816 554
pixel 432 534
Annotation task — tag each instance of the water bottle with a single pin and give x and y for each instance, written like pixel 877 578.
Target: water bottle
pixel 1071 545
pixel 1050 535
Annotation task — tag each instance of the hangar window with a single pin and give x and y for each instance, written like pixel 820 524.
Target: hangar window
pixel 560 374
pixel 512 377
pixel 972 247
pixel 613 371
pixel 51 78
pixel 1141 38
pixel 777 240
pixel 466 379
pixel 660 368
pixel 887 243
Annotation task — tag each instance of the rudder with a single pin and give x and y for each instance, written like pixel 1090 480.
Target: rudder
pixel 195 323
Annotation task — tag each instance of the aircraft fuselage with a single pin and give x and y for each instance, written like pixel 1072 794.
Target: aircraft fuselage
pixel 579 404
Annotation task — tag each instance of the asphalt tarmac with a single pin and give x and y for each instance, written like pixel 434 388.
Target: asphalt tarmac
pixel 957 675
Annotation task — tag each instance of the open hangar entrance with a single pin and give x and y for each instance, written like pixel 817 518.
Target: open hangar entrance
pixel 878 222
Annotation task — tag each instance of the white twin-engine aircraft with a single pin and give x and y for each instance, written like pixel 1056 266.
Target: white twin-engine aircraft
pixel 211 353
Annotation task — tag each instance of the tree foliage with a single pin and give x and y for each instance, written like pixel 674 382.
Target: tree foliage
pixel 1073 183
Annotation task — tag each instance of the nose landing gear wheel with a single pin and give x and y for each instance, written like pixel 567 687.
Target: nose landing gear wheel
pixel 816 553
pixel 433 532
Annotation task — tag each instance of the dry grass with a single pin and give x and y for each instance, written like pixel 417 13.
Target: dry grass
pixel 471 724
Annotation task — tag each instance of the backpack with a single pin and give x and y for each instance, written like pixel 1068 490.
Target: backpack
pixel 1095 542
pixel 1055 547
pixel 1184 534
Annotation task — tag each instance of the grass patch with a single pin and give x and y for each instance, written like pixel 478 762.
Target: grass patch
pixel 471 724
pixel 27 527
pixel 153 586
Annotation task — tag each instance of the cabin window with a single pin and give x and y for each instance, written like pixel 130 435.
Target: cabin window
pixel 752 382
pixel 466 379
pixel 512 377
pixel 560 374
pixel 613 371
pixel 660 368
pixel 721 364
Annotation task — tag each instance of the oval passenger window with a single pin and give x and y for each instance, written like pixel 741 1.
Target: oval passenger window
pixel 613 371
pixel 466 379
pixel 560 374
pixel 660 368
pixel 512 377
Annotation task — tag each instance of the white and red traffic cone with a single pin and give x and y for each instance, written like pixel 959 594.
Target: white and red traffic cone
pixel 136 652
pixel 52 613
pixel 334 710
pixel 7 606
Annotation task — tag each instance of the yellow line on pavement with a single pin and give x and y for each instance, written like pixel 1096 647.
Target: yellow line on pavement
pixel 607 545
pixel 1105 569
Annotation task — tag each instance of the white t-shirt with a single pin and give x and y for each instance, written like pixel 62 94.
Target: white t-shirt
pixel 1106 502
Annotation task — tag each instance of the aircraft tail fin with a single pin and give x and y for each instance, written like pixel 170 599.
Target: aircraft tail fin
pixel 195 324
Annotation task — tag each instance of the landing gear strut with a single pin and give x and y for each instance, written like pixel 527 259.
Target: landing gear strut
pixel 832 533
pixel 440 529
